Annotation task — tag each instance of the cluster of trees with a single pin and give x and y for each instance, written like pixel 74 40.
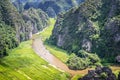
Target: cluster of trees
pixel 52 8
pixel 83 60
pixel 93 27
pixel 16 27
pixel 7 39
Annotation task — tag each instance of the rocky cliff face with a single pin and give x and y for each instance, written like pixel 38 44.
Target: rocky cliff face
pixel 94 27
pixel 51 7
pixel 35 19
pixel 19 4
pixel 11 27
pixel 15 28
pixel 11 17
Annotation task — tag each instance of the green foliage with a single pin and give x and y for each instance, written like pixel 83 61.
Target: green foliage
pixel 48 31
pixel 75 62
pixel 93 57
pixel 59 53
pixel 119 76
pixel 24 64
pixel 84 60
pixel 9 13
pixel 35 18
pixel 76 77
pixel 93 26
pixel 103 75
pixel 7 39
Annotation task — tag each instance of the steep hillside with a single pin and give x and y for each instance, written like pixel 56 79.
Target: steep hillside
pixel 19 4
pixel 11 17
pixel 51 7
pixel 35 19
pixel 11 27
pixel 93 27
pixel 15 28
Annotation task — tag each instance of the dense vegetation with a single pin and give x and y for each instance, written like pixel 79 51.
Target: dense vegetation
pixel 51 7
pixel 65 57
pixel 86 33
pixel 93 27
pixel 45 35
pixel 83 61
pixel 7 39
pixel 15 27
pixel 35 19
pixel 11 26
pixel 73 61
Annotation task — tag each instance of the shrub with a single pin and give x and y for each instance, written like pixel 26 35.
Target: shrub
pixel 93 57
pixel 75 62
pixel 82 61
pixel 103 75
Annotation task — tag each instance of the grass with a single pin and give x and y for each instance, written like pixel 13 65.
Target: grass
pixel 23 64
pixel 62 54
pixel 46 33
pixel 116 70
pixel 76 77
pixel 59 53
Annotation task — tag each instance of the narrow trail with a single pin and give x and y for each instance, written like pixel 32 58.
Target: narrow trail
pixel 41 50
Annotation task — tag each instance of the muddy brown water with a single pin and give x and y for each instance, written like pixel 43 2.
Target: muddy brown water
pixel 41 50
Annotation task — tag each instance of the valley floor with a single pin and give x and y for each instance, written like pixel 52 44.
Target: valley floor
pixel 24 64
pixel 62 54
pixel 41 50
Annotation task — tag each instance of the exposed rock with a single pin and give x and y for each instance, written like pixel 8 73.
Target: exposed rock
pixel 13 29
pixel 35 19
pixel 51 7
pixel 94 27
pixel 118 59
pixel 100 73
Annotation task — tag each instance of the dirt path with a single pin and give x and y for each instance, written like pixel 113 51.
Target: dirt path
pixel 40 49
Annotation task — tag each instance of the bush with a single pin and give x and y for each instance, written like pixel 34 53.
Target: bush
pixel 93 57
pixel 103 75
pixel 84 60
pixel 75 62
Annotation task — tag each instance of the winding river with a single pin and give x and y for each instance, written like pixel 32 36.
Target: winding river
pixel 41 50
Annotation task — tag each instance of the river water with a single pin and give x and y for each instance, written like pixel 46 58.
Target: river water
pixel 41 50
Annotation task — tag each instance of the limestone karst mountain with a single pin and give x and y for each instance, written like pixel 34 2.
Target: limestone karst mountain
pixel 93 27
pixel 16 27
pixel 51 7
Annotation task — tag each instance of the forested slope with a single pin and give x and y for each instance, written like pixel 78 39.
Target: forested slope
pixel 16 27
pixel 94 27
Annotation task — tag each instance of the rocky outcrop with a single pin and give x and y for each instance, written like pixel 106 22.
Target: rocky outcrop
pixel 11 17
pixel 117 59
pixel 57 6
pixel 100 73
pixel 51 7
pixel 12 27
pixel 35 19
pixel 15 28
pixel 20 4
pixel 94 27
